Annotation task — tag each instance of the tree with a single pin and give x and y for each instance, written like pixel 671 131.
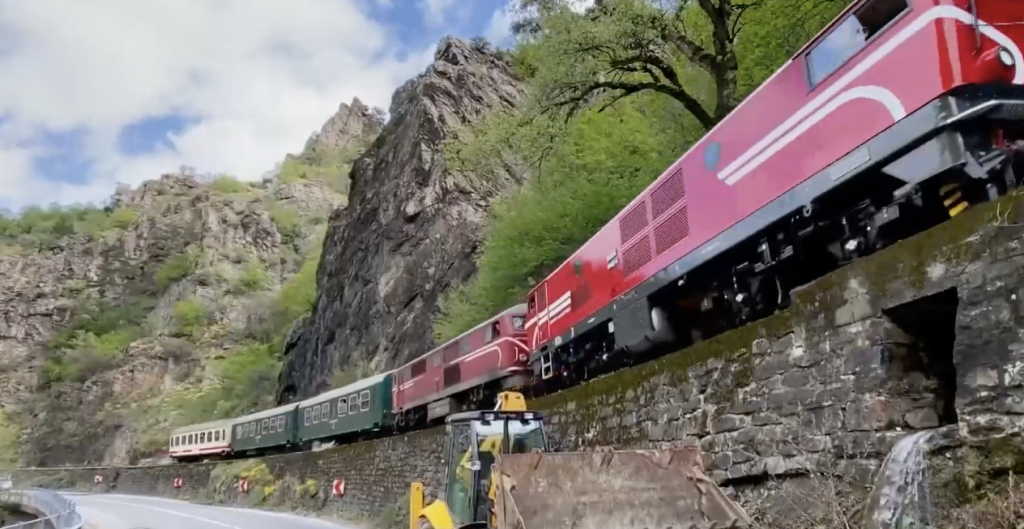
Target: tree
pixel 686 50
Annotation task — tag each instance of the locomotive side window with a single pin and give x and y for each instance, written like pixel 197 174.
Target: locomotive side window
pixel 850 36
pixel 577 267
pixel 493 332
pixel 518 323
pixel 533 304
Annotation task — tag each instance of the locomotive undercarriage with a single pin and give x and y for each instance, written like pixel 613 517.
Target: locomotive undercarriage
pixel 881 205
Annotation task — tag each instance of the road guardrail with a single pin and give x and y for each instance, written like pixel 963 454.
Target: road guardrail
pixel 55 511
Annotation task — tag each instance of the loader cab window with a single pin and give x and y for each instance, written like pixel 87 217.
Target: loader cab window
pixel 461 478
pixel 850 36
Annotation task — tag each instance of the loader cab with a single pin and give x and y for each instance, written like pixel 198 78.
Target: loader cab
pixel 474 439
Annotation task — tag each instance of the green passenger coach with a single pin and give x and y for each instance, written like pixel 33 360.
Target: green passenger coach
pixel 265 429
pixel 362 406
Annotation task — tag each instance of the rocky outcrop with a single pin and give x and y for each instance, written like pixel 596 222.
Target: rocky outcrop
pixel 87 400
pixel 352 126
pixel 411 227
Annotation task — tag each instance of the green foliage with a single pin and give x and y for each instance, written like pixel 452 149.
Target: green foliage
pixel 190 315
pixel 246 382
pixel 122 218
pixel 177 267
pixel 331 167
pixel 253 277
pixel 95 339
pixel 297 295
pixel 227 184
pixel 38 228
pixel 288 221
pixel 101 317
pixel 604 160
pixel 10 444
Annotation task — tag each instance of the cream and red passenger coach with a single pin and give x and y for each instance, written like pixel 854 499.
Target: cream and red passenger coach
pixel 892 119
pixel 199 441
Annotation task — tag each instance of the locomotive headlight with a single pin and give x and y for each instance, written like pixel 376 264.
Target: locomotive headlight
pixel 1006 57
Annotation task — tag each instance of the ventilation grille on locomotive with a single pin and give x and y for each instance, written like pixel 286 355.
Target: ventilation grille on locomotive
pixel 636 256
pixel 675 228
pixel 668 194
pixel 633 223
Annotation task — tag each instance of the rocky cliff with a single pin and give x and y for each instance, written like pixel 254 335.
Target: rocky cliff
pixel 167 306
pixel 410 229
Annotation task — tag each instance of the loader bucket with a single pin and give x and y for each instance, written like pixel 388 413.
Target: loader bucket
pixel 635 489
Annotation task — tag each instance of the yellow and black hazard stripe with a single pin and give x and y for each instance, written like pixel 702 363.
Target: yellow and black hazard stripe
pixel 953 199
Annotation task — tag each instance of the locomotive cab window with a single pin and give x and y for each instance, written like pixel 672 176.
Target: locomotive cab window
pixel 850 36
pixel 493 332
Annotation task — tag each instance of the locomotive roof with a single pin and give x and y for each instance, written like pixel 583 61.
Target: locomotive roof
pixel 521 307
pixel 202 426
pixel 345 390
pixel 266 413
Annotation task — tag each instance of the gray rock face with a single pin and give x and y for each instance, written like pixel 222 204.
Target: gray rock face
pixel 352 125
pixel 410 229
pixel 93 416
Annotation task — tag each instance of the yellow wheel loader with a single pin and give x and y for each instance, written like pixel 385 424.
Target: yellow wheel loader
pixel 501 475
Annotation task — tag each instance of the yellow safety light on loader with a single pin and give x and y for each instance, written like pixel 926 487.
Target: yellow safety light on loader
pixel 500 475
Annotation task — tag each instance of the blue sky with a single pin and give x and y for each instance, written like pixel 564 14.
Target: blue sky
pixel 122 90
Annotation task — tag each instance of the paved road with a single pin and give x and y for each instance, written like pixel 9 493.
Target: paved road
pixel 118 511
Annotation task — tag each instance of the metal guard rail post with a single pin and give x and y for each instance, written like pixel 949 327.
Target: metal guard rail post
pixel 55 511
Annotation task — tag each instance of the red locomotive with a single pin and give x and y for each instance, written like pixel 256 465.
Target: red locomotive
pixel 892 119
pixel 464 372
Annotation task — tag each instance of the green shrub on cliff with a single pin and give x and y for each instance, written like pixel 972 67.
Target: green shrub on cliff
pixel 177 267
pixel 190 315
pixel 10 442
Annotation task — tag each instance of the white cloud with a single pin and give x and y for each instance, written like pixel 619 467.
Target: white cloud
pixel 435 12
pixel 499 29
pixel 260 75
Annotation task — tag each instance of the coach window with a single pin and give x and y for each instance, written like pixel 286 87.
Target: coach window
pixel 850 36
pixel 364 400
pixel 342 407
pixel 464 345
pixel 353 404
